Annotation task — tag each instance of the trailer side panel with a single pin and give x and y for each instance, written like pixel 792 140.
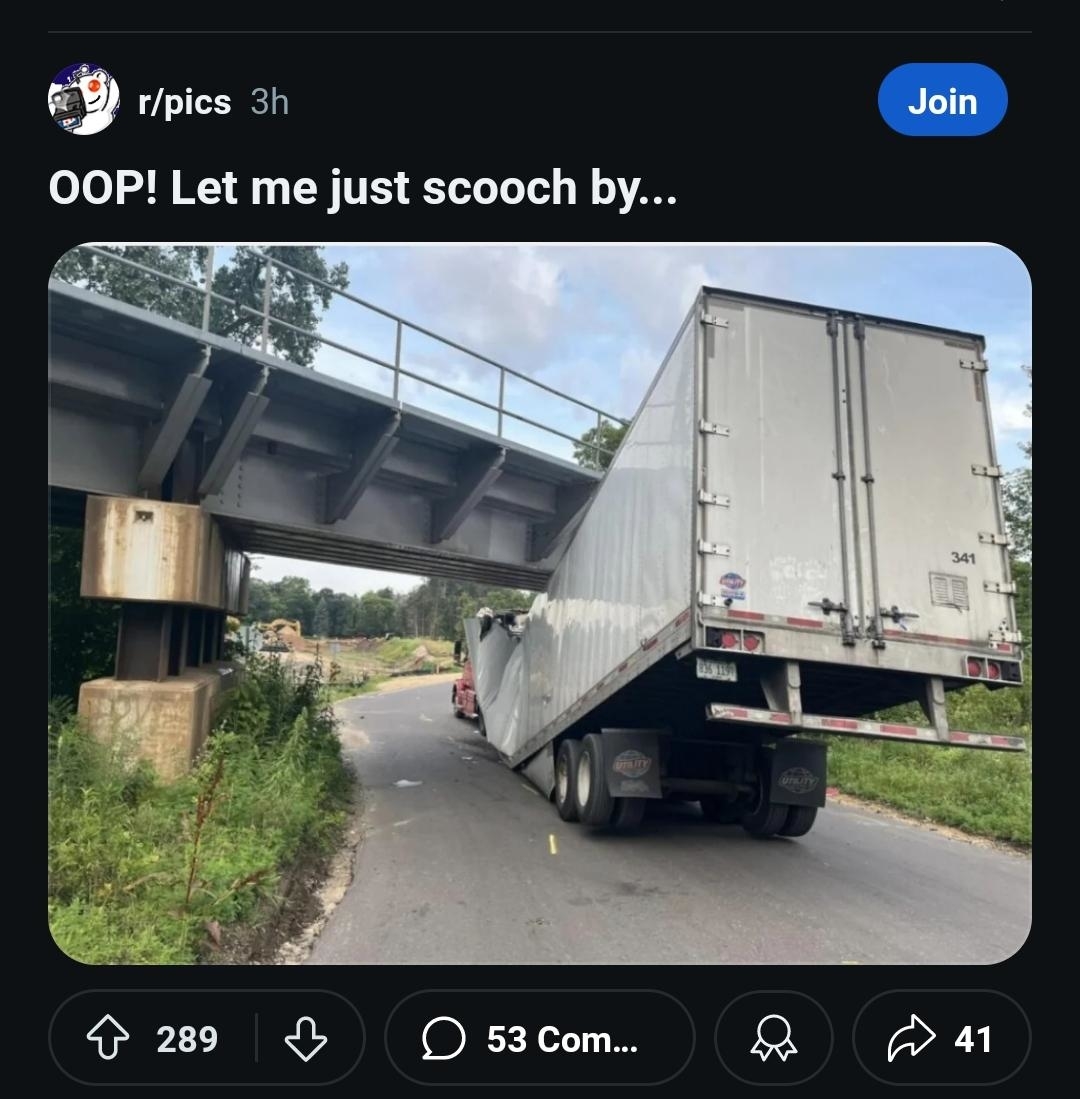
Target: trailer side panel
pixel 619 597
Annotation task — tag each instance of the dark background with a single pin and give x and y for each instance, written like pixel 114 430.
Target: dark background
pixel 768 136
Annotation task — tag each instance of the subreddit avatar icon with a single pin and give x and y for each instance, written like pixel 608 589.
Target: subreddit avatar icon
pixel 84 98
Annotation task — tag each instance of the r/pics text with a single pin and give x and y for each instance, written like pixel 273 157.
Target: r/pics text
pixel 188 102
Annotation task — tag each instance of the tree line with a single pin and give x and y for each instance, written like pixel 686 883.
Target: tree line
pixel 434 608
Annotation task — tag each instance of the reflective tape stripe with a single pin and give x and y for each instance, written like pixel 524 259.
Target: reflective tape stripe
pixel 876 730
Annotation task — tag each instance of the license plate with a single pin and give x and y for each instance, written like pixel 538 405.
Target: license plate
pixel 723 670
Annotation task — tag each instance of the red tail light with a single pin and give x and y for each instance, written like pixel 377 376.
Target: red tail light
pixel 752 642
pixel 974 667
pixel 729 640
pixel 993 671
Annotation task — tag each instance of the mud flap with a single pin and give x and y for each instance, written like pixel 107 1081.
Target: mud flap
pixel 632 762
pixel 796 772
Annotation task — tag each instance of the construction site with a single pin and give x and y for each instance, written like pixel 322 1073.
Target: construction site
pixel 347 661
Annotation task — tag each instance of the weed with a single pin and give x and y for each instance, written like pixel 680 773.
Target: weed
pixel 141 872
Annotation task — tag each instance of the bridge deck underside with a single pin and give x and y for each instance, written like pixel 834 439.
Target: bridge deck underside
pixel 293 462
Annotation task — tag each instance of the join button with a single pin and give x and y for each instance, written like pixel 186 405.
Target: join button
pixel 934 99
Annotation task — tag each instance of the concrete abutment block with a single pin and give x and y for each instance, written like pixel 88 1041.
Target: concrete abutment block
pixel 166 723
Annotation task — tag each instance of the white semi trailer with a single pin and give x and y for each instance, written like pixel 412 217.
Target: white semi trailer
pixel 802 526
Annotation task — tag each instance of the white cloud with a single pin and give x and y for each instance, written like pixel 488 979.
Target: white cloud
pixel 500 301
pixel 1010 412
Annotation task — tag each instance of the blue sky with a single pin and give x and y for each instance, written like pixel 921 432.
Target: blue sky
pixel 595 322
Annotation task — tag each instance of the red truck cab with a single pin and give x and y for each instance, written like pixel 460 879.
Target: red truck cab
pixel 463 697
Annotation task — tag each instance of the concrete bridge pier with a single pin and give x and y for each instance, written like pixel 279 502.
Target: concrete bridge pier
pixel 176 579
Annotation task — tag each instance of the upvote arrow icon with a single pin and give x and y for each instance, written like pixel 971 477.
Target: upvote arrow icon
pixel 108 1034
pixel 916 1036
pixel 306 1041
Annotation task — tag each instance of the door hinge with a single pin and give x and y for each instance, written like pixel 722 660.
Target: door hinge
pixel 707 427
pixel 999 588
pixel 714 320
pixel 974 364
pixel 717 549
pixel 986 471
pixel 988 539
pixel 713 498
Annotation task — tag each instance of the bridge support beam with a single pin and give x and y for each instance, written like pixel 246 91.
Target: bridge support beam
pixel 175 579
pixel 243 413
pixel 168 436
pixel 477 472
pixel 570 502
pixel 343 490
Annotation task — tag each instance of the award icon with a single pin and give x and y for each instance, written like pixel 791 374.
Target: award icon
pixel 774 1036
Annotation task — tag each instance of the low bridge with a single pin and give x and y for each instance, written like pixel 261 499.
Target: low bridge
pixel 295 462
pixel 182 449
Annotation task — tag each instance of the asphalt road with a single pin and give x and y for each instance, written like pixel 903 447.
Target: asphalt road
pixel 460 870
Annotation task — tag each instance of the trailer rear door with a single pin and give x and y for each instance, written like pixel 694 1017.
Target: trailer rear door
pixel 931 525
pixel 771 512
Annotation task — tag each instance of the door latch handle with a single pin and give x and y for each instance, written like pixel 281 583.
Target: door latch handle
pixel 896 614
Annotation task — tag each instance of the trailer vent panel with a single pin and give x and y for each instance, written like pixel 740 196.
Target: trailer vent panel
pixel 949 591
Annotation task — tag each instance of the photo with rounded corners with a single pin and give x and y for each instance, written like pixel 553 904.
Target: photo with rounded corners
pixel 721 552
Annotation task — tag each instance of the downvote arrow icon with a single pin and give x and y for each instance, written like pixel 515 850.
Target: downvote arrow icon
pixel 307 1041
pixel 108 1034
pixel 916 1036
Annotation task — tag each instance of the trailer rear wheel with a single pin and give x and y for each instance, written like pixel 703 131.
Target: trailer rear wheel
pixel 481 728
pixel 766 818
pixel 800 819
pixel 720 810
pixel 628 813
pixel 566 765
pixel 591 798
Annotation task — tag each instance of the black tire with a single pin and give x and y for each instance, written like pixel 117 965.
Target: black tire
pixel 481 728
pixel 458 712
pixel 800 819
pixel 591 798
pixel 566 765
pixel 720 810
pixel 628 813
pixel 766 818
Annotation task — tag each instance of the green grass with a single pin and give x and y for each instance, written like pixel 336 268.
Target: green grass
pixel 140 871
pixel 399 650
pixel 985 793
pixel 336 692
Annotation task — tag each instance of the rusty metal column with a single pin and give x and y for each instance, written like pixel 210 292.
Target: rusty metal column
pixel 142 644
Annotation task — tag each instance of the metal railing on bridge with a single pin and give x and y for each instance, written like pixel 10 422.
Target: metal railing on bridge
pixel 594 451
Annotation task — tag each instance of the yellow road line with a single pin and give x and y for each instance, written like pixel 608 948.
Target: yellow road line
pixel 553 847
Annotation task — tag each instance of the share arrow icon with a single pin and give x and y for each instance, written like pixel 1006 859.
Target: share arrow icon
pixel 916 1036
pixel 108 1034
